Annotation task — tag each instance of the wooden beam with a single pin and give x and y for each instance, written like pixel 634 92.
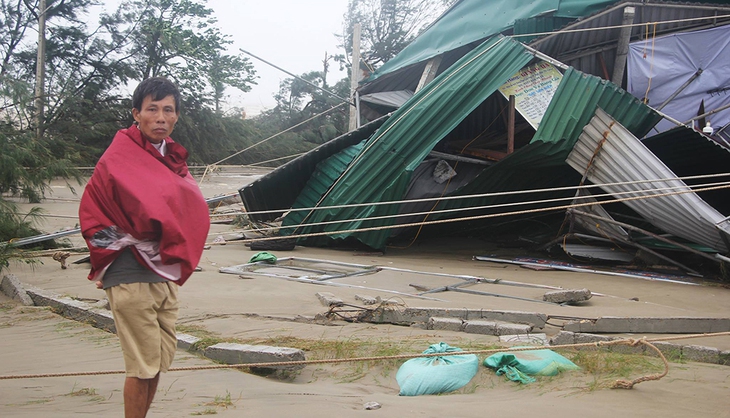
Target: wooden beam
pixel 511 125
pixel 622 49
pixel 429 73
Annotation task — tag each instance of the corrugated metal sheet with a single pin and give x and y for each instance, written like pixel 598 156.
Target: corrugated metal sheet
pixel 541 164
pixel 277 190
pixel 382 171
pixel 593 51
pixel 689 153
pixel 470 21
pixel 590 224
pixel 614 155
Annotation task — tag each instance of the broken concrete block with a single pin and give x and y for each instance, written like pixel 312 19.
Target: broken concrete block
pixel 73 309
pixel 569 296
pixel 410 315
pixel 13 288
pixel 673 352
pixel 518 317
pixel 366 300
pixel 563 338
pixel 725 358
pixel 701 354
pixel 186 341
pixel 581 338
pixel 512 329
pixel 628 348
pixel 648 325
pixel 446 324
pixel 477 326
pixel 389 301
pixel 232 353
pixel 328 299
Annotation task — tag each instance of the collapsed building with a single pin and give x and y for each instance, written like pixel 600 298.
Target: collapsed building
pixel 593 109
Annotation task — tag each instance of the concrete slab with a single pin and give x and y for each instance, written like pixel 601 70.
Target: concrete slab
pixel 328 299
pixel 446 324
pixel 513 329
pixel 701 354
pixel 569 296
pixel 478 326
pixel 73 309
pixel 410 315
pixel 232 353
pixel 12 287
pixel 644 325
pixel 367 300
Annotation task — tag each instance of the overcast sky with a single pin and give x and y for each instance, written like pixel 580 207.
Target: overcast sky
pixel 292 34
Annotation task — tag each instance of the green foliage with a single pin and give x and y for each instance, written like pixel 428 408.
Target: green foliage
pixel 387 26
pixel 178 39
pixel 26 167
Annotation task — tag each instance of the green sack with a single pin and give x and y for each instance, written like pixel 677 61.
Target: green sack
pixel 439 374
pixel 518 366
pixel 263 256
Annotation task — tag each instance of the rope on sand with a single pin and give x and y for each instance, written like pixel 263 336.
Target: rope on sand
pixel 619 384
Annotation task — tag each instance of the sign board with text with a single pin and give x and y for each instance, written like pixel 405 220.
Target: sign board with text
pixel 533 88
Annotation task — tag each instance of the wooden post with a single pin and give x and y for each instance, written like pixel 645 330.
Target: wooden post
pixel 429 73
pixel 511 125
pixel 40 73
pixel 354 75
pixel 622 49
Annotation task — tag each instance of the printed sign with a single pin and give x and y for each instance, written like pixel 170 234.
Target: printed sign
pixel 533 88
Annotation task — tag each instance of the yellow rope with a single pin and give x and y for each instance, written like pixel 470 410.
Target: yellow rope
pixel 618 384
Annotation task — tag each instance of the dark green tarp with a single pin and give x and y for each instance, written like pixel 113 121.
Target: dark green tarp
pixel 473 20
pixel 382 170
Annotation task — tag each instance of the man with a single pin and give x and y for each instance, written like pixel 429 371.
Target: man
pixel 145 223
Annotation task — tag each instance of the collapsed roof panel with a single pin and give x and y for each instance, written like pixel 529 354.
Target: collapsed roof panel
pixel 589 44
pixel 541 164
pixel 470 21
pixel 681 148
pixel 607 152
pixel 382 171
pixel 277 190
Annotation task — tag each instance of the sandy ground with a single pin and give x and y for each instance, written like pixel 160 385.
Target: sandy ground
pixel 34 340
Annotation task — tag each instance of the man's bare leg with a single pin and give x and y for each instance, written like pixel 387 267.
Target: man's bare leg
pixel 138 395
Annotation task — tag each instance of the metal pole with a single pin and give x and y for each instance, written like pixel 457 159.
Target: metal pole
pixel 645 232
pixel 680 89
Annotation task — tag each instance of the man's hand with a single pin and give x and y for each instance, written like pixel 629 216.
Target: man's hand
pixel 98 284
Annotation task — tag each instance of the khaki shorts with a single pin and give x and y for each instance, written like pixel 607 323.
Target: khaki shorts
pixel 145 315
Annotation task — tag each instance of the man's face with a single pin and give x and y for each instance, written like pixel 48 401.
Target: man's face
pixel 157 118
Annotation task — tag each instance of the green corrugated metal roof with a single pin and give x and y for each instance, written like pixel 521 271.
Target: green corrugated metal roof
pixel 541 164
pixel 382 171
pixel 472 20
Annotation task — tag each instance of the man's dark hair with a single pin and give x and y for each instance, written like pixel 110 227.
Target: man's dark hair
pixel 158 88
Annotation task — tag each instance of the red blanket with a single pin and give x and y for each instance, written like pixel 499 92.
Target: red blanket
pixel 138 198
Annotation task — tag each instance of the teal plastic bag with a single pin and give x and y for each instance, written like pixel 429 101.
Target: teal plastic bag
pixel 518 366
pixel 263 256
pixel 438 374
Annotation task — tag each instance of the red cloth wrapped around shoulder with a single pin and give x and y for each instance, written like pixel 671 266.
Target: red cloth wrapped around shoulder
pixel 137 194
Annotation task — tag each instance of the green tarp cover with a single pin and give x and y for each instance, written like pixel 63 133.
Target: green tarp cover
pixel 382 170
pixel 472 20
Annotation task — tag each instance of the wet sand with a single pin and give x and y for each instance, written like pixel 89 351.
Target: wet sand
pixel 34 340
